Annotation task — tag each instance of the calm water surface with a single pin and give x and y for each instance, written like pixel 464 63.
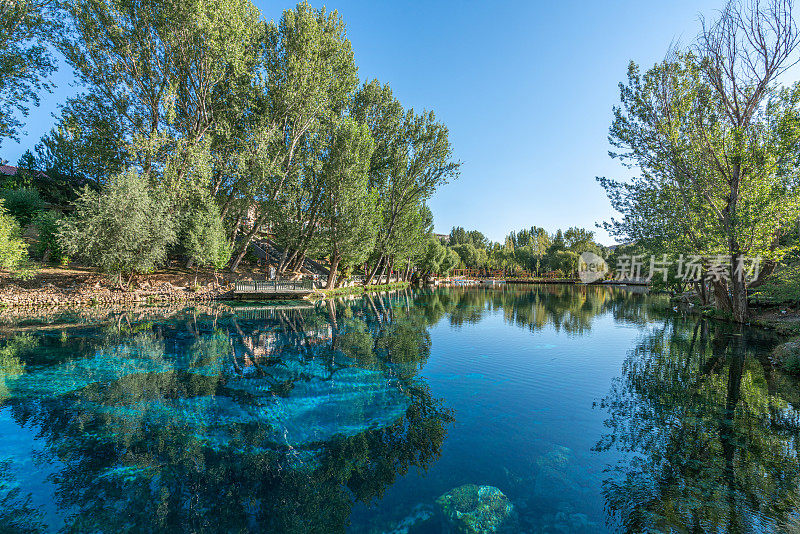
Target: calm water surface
pixel 591 409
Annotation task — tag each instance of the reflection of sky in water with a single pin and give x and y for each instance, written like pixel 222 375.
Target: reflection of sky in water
pixel 525 420
pixel 264 420
pixel 21 453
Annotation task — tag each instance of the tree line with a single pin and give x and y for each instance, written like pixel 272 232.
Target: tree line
pixel 202 127
pixel 532 250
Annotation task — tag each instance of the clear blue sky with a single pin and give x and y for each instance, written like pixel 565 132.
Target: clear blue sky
pixel 526 89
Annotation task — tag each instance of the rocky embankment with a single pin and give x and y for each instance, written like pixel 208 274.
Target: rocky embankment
pixel 49 294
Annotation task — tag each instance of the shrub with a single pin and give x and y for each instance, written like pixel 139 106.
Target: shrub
pixel 449 262
pixel 126 229
pixel 566 261
pixel 47 223
pixel 13 250
pixel 22 203
pixel 788 356
pixel 781 287
pixel 205 239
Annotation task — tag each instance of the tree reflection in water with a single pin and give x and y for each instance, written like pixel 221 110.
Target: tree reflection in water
pixel 273 420
pixel 571 309
pixel 709 433
pixel 281 419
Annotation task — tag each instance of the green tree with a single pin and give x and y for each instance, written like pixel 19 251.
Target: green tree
pixel 414 228
pixel 566 261
pixel 156 68
pixel 434 255
pixel 579 240
pixel 48 247
pixel 310 75
pixel 22 203
pixel 716 142
pixel 13 250
pixel 348 205
pixel 471 257
pixel 420 160
pixel 124 230
pixel 25 61
pixel 449 262
pixel 85 144
pixel 205 239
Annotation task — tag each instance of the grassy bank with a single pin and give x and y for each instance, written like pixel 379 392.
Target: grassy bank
pixel 358 290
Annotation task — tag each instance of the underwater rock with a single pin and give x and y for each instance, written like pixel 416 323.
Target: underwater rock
pixel 569 523
pixel 292 401
pixel 553 470
pixel 472 509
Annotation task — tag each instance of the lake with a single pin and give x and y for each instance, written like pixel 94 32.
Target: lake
pixel 531 409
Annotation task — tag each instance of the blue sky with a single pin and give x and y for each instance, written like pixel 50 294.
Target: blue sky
pixel 526 89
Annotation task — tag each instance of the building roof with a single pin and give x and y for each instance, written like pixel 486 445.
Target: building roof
pixel 443 237
pixel 10 170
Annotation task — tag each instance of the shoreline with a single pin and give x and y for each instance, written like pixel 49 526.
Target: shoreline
pixel 91 292
pixel 322 294
pixel 88 295
pixel 787 327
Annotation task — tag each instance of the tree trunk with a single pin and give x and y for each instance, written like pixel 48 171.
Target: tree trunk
pixel 374 271
pixel 246 242
pixel 239 257
pixel 300 262
pixel 235 230
pixel 721 298
pixel 282 263
pixel 287 264
pixel 738 292
pixel 700 287
pixel 767 269
pixel 332 272
pixel 388 271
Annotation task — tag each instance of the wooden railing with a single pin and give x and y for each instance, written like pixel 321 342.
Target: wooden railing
pixel 273 286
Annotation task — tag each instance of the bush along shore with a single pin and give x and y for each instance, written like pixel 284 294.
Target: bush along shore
pixel 787 356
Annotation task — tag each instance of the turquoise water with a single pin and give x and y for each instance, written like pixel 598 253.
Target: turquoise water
pixel 591 409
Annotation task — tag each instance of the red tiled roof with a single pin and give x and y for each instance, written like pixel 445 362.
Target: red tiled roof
pixel 9 170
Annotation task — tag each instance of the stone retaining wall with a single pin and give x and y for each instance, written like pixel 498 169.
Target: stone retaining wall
pixel 50 295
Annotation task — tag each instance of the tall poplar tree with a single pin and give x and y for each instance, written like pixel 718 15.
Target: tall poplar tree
pixel 348 204
pixel 309 77
pixel 158 67
pixel 25 61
